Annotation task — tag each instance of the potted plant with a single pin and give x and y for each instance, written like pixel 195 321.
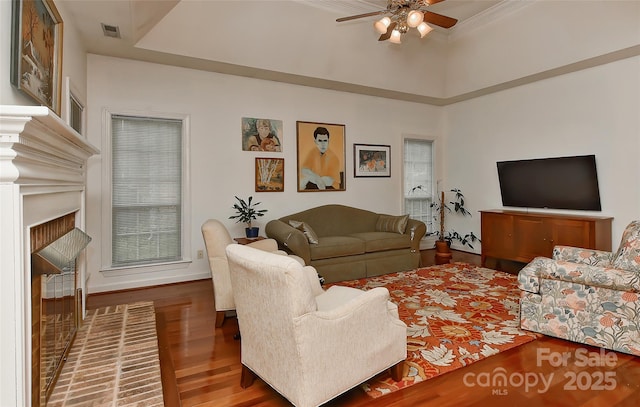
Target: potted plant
pixel 445 238
pixel 246 213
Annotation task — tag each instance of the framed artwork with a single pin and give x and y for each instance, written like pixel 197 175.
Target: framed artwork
pixel 75 111
pixel 371 160
pixel 261 134
pixel 321 157
pixel 36 51
pixel 269 174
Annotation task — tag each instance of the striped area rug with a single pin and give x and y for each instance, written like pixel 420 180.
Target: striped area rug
pixel 113 360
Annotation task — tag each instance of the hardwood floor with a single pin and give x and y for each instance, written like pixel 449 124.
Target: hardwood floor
pixel 201 365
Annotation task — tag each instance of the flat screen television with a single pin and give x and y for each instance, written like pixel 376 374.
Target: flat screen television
pixel 554 183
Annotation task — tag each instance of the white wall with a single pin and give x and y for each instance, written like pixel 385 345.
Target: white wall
pixel 594 111
pixel 219 169
pixel 538 36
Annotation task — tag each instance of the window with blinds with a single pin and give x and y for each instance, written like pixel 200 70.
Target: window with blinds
pixel 418 180
pixel 146 194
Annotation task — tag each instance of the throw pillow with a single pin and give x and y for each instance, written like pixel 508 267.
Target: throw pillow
pixel 388 223
pixel 628 255
pixel 306 229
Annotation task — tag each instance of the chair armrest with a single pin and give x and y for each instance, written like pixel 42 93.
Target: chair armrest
pixel 529 275
pixel 595 276
pixel 416 229
pixel 312 275
pixel 222 290
pixel 268 245
pixel 289 238
pixel 591 257
pixel 348 300
pixel 353 325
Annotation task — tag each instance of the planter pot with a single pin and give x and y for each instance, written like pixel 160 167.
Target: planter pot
pixel 443 252
pixel 252 232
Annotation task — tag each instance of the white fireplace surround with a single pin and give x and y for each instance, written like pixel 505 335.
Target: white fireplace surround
pixel 42 177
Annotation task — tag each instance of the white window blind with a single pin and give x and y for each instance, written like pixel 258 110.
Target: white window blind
pixel 146 190
pixel 418 180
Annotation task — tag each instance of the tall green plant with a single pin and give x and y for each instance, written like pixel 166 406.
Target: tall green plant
pixel 246 211
pixel 442 208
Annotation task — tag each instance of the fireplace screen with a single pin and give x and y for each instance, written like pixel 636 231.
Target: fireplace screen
pixel 55 304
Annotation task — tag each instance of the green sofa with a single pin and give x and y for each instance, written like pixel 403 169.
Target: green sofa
pixel 346 243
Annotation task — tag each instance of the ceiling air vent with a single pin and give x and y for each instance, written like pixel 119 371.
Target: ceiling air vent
pixel 110 30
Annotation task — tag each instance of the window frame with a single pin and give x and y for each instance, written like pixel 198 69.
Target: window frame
pixel 430 223
pixel 106 200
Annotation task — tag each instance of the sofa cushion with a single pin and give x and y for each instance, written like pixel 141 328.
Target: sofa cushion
pixel 388 223
pixel 380 241
pixel 336 246
pixel 312 237
pixel 628 255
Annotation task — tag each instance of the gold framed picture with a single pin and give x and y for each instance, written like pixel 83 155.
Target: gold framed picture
pixel 36 51
pixel 321 157
pixel 269 174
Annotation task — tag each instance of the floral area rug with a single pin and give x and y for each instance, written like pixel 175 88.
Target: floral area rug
pixel 456 314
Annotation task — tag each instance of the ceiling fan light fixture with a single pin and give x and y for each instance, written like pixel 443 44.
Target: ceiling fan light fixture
pixel 395 37
pixel 414 18
pixel 402 16
pixel 424 29
pixel 382 25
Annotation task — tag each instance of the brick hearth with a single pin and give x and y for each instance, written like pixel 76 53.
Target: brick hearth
pixel 113 361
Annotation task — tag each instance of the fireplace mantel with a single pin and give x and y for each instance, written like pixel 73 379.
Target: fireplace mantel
pixel 42 176
pixel 37 147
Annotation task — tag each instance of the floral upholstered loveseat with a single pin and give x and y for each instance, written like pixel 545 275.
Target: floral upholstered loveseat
pixel 586 296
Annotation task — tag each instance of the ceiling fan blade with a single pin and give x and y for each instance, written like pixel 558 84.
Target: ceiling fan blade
pixel 439 19
pixel 373 13
pixel 432 2
pixel 387 35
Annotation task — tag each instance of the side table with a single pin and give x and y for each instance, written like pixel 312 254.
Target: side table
pixel 247 240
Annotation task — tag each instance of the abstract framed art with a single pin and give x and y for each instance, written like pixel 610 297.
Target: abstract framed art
pixel 371 160
pixel 321 157
pixel 36 51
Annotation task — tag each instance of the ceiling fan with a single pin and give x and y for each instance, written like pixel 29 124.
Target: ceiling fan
pixel 405 14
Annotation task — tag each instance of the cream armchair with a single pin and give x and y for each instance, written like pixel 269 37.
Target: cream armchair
pixel 310 345
pixel 216 239
pixel 587 296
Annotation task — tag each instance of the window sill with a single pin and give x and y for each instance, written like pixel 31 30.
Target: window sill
pixel 145 268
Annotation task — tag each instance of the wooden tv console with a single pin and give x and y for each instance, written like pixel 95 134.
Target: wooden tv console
pixel 521 236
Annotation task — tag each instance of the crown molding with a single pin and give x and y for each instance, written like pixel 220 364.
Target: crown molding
pixel 486 17
pixel 294 79
pixel 599 60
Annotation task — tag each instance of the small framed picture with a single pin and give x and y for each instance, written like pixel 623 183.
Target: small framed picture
pixel 269 174
pixel 261 134
pixel 36 51
pixel 371 160
pixel 321 157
